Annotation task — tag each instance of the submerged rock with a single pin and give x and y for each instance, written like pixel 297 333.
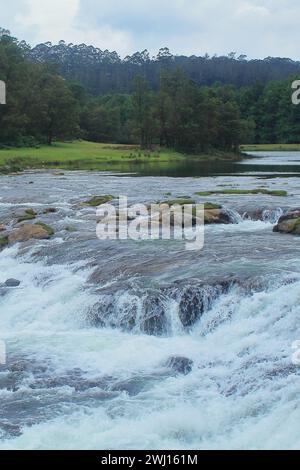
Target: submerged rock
pixel 12 283
pixel 151 311
pixel 154 320
pixel 195 300
pixel 180 365
pixel 289 223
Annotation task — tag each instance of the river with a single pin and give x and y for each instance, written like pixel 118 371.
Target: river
pixel 96 329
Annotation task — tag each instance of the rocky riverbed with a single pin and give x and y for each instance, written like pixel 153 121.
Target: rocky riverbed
pixel 142 344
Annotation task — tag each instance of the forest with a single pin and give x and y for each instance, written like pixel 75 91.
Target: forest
pixel 189 104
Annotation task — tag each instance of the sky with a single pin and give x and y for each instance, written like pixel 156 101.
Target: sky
pixel 257 28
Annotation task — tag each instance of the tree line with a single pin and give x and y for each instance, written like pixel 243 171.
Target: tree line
pixel 102 72
pixel 177 113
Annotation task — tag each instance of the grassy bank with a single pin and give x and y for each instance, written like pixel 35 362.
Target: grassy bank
pixel 82 155
pixel 270 147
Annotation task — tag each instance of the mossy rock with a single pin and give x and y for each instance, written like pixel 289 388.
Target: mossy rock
pixel 46 227
pixel 99 200
pixel 179 201
pixel 50 210
pixel 211 206
pixel 182 202
pixel 291 226
pixel 263 191
pixel 3 242
pixel 204 193
pixel 29 214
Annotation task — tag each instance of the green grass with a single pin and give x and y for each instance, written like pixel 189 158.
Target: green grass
pixel 270 147
pixel 244 191
pixel 78 155
pixel 83 155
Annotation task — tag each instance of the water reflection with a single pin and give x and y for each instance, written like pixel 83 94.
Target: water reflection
pixel 259 163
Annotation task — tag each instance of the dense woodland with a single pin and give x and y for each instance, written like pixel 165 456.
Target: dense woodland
pixel 191 104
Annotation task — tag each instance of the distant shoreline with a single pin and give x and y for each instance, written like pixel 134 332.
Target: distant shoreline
pixel 84 155
pixel 270 147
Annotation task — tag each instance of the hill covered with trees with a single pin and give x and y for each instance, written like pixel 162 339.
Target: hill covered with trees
pixel 190 104
pixel 104 71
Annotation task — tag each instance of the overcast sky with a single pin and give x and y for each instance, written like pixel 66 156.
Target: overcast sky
pixel 258 28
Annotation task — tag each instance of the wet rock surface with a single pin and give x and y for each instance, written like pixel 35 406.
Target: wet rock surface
pixel 28 232
pixel 12 283
pixel 152 311
pixel 180 365
pixel 289 223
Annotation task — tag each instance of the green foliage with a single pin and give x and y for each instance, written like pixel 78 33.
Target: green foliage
pixel 40 106
pixel 152 103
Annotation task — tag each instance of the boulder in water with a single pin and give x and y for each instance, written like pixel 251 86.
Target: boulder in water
pixel 154 321
pixel 180 365
pixel 12 283
pixel 289 223
pixel 28 232
pixel 216 216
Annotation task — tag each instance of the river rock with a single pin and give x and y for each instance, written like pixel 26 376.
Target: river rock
pixel 180 365
pixel 289 223
pixel 154 321
pixel 12 283
pixel 28 232
pixel 216 216
pixel 2 228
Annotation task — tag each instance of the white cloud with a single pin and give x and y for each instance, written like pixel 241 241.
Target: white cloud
pixel 247 8
pixel 256 27
pixel 58 19
pixel 52 18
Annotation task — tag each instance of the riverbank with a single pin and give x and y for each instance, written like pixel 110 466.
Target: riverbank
pixel 270 148
pixel 83 155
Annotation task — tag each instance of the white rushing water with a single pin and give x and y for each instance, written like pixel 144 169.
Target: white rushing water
pixel 241 393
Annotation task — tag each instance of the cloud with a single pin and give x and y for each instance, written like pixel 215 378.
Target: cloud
pixel 258 28
pixel 59 19
pixel 248 8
